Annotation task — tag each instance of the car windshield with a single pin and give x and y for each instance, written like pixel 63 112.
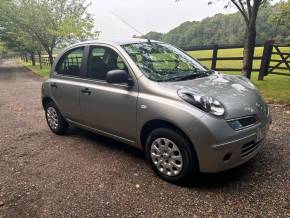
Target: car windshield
pixel 162 62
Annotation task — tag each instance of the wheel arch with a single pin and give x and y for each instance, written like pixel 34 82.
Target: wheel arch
pixel 149 126
pixel 45 101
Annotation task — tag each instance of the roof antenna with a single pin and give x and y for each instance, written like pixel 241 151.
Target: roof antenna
pixel 132 27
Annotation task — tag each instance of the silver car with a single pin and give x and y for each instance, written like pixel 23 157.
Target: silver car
pixel 151 95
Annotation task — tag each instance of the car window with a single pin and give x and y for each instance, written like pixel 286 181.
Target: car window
pixel 101 60
pixel 98 52
pixel 70 63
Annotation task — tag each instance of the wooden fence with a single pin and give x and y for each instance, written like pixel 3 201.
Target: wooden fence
pixel 267 57
pixel 275 60
pixel 44 60
pixel 215 57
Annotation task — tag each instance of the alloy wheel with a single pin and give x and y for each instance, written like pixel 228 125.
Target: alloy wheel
pixel 166 156
pixel 52 118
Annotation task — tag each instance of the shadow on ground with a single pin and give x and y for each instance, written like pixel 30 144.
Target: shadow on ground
pixel 200 181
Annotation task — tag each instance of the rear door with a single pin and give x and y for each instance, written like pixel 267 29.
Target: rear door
pixel 110 108
pixel 65 87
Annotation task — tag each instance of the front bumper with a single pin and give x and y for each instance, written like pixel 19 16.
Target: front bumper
pixel 236 151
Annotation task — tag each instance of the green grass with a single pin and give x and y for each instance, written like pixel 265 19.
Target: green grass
pixel 274 88
pixel 44 72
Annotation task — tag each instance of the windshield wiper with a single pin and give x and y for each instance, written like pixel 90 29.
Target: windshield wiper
pixel 202 73
pixel 179 78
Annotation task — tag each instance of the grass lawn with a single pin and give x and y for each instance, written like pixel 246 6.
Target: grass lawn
pixel 274 88
pixel 44 72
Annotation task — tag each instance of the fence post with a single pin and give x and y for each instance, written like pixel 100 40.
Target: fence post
pixel 266 58
pixel 214 57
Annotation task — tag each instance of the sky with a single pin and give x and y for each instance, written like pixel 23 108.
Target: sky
pixel 148 15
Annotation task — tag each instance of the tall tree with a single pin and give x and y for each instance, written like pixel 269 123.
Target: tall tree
pixel 49 22
pixel 249 10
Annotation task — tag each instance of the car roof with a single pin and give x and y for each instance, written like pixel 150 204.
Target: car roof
pixel 115 41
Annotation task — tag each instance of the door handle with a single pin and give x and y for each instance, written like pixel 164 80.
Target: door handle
pixel 86 91
pixel 53 85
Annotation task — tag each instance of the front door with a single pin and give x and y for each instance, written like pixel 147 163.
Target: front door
pixel 110 108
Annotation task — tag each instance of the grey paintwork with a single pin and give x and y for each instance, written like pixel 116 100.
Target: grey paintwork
pixel 120 111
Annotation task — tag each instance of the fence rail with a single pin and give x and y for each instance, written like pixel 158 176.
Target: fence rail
pixel 215 58
pixel 211 47
pixel 266 59
pixel 44 60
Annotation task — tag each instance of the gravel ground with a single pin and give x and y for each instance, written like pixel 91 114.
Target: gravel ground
pixel 86 175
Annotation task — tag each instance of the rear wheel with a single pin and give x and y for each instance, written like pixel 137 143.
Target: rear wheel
pixel 55 120
pixel 171 155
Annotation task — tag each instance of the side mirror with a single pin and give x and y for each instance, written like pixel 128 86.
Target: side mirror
pixel 118 77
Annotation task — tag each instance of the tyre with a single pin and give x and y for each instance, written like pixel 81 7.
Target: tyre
pixel 171 155
pixel 55 120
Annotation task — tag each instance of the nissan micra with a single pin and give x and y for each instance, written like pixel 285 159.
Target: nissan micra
pixel 151 95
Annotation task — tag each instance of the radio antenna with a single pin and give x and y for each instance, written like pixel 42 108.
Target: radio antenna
pixel 129 25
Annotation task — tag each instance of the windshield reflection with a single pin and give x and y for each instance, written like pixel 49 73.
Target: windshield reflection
pixel 162 62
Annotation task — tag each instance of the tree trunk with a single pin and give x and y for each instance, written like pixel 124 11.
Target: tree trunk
pixel 50 57
pixel 249 50
pixel 250 38
pixel 39 58
pixel 32 57
pixel 25 58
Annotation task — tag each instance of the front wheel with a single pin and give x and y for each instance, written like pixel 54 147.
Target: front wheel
pixel 171 155
pixel 55 120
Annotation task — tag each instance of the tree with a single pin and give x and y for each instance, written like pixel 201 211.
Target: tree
pixel 17 40
pixel 3 49
pixel 249 10
pixel 282 13
pixel 281 17
pixel 228 29
pixel 154 35
pixel 50 22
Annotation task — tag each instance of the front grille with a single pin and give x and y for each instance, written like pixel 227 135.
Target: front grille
pixel 248 121
pixel 242 122
pixel 248 148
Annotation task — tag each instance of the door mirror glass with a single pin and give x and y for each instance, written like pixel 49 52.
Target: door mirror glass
pixel 118 76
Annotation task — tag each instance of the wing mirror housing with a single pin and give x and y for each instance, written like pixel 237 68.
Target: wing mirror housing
pixel 119 77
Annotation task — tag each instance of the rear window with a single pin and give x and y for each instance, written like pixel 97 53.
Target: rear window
pixel 71 62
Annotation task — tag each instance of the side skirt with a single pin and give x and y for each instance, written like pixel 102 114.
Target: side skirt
pixel 109 135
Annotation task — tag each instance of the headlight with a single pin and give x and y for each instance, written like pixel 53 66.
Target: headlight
pixel 205 103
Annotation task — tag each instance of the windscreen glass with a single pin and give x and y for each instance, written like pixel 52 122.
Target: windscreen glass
pixel 162 62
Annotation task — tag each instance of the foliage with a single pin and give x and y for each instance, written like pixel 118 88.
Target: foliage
pixel 3 49
pixel 154 35
pixel 50 22
pixel 18 40
pixel 228 29
pixel 281 17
